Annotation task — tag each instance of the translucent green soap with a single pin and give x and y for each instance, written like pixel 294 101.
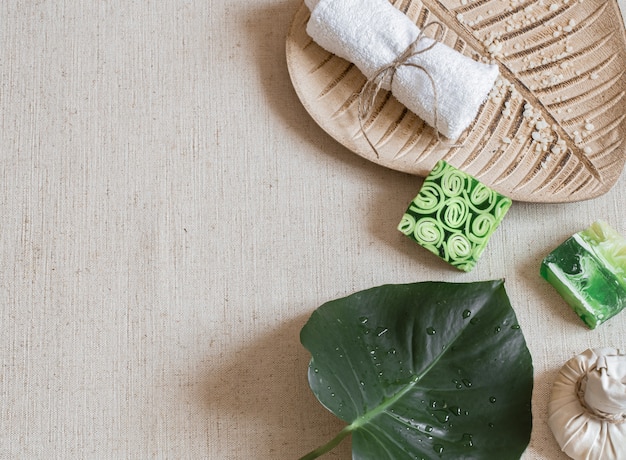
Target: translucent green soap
pixel 454 215
pixel 589 271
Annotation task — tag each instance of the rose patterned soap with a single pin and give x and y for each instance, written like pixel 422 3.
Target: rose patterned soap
pixel 589 272
pixel 454 215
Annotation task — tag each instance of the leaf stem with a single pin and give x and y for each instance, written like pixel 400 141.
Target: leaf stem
pixel 329 445
pixel 362 420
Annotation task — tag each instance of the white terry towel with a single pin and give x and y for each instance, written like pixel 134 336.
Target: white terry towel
pixel 373 33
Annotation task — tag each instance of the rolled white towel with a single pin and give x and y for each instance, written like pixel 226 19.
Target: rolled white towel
pixel 372 34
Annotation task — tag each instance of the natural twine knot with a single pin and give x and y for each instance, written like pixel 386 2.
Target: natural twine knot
pixel 369 92
pixel 592 412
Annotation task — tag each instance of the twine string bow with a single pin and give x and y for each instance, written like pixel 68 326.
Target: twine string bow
pixel 373 86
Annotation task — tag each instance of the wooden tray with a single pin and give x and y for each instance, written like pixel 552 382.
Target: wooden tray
pixel 562 63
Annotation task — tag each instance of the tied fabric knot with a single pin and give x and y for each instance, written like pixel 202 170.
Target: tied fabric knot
pixel 374 35
pixel 373 86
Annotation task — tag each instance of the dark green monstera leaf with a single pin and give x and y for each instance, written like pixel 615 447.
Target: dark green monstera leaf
pixel 424 370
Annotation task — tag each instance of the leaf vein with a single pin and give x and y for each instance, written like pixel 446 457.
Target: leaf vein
pixel 442 11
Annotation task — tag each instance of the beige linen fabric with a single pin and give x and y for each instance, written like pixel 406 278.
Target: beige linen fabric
pixel 171 215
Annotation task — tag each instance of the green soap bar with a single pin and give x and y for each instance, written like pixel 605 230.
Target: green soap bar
pixel 589 271
pixel 453 215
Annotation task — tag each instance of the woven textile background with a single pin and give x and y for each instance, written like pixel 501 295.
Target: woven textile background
pixel 170 215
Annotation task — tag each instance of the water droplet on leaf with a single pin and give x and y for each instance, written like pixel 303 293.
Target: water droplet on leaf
pixel 467 314
pixel 438 404
pixel 467 440
pixel 430 331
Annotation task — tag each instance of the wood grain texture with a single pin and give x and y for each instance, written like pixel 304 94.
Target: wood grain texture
pixel 553 129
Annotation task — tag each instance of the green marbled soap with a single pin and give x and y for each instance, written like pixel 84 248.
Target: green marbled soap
pixel 454 215
pixel 589 271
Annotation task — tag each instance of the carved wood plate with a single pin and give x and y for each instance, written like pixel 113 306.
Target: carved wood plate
pixel 553 129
